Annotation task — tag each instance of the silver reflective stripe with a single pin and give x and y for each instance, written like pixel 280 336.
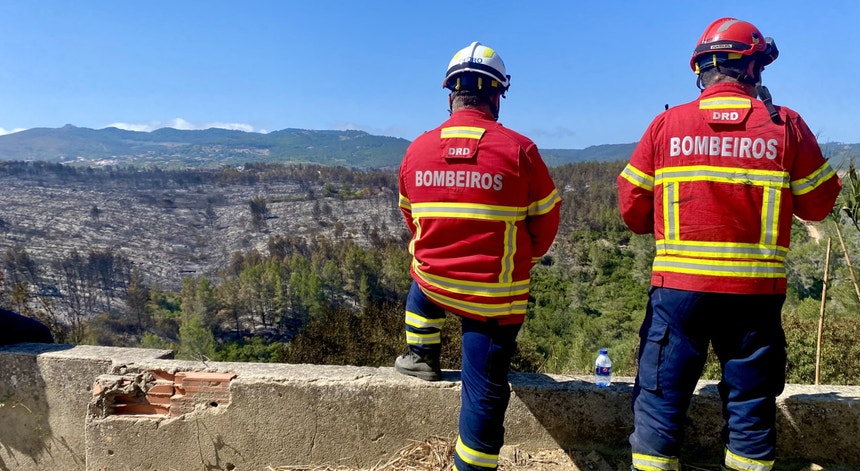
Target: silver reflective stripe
pixel 769 213
pixel 487 310
pixel 654 463
pixel 404 202
pixel 733 175
pixel 546 204
pixel 691 248
pixel 506 276
pixel 740 463
pixel 474 457
pixel 482 289
pixel 420 322
pixel 423 339
pixel 462 131
pixel 724 102
pixel 809 183
pixel 454 210
pixel 632 175
pixel 671 205
pixel 720 269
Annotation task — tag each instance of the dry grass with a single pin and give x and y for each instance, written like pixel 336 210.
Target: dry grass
pixel 436 454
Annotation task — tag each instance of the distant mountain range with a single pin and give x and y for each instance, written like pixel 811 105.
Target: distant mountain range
pixel 173 148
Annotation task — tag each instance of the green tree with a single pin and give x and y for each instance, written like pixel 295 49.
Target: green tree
pixel 196 341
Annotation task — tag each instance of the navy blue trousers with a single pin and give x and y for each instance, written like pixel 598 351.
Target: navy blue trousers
pixel 748 339
pixel 485 392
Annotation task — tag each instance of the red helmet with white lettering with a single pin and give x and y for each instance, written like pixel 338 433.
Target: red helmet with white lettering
pixel 728 40
pixel 477 67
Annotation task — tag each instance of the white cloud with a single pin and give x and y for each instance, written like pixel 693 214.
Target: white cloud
pixel 396 131
pixel 132 126
pixel 4 131
pixel 181 124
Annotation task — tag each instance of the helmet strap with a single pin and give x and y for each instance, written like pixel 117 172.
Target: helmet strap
pixel 764 96
pixel 494 106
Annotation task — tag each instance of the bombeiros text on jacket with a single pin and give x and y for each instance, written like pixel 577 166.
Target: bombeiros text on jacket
pixel 458 179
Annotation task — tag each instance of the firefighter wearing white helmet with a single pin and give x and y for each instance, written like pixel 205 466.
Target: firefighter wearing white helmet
pixel 483 210
pixel 478 69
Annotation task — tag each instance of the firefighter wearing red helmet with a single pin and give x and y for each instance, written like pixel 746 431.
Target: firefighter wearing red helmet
pixel 717 181
pixel 482 210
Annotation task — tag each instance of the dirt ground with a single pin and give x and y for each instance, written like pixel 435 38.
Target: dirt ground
pixel 435 454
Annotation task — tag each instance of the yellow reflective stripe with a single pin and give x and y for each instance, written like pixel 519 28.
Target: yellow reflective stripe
pixel 536 259
pixel 415 236
pixel 404 203
pixel 423 339
pixel 699 249
pixel 771 198
pixel 544 205
pixel 654 463
pixel 468 132
pixel 420 322
pixel 638 177
pixel 506 275
pixel 480 309
pixel 469 211
pixel 724 102
pixel 804 185
pixel 671 221
pixel 740 176
pixel 473 288
pixel 475 457
pixel 736 268
pixel 740 463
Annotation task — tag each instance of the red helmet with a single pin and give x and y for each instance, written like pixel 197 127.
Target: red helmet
pixel 729 39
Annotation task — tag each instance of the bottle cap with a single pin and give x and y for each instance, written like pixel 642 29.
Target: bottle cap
pixel 603 351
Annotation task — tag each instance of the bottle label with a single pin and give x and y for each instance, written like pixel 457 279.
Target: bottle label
pixel 602 370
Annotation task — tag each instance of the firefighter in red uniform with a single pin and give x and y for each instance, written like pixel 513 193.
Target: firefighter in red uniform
pixel 716 181
pixel 483 210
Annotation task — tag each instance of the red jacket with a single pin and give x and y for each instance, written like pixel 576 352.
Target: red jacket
pixel 717 182
pixel 482 209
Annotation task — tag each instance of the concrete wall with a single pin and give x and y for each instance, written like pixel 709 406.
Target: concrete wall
pixel 101 408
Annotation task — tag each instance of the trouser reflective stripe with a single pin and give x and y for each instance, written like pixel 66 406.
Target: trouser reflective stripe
pixel 422 339
pixel 739 463
pixel 420 322
pixel 474 457
pixel 485 393
pixel 654 463
pixel 423 321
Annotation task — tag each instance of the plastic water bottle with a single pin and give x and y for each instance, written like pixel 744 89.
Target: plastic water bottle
pixel 603 369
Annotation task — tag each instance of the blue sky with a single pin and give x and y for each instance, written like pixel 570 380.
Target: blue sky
pixel 583 73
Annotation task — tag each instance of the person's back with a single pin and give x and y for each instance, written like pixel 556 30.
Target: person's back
pixel 471 183
pixel 717 182
pixel 729 176
pixel 482 210
pixel 480 201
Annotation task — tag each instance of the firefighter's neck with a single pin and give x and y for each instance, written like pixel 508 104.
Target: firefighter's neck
pixel 748 88
pixel 457 105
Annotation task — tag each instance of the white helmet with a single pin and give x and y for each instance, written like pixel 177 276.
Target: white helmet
pixel 470 65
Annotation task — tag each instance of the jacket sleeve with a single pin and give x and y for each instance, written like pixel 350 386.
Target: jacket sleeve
pixel 545 205
pixel 403 197
pixel 636 187
pixel 814 184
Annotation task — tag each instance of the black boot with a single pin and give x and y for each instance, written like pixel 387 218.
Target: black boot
pixel 413 364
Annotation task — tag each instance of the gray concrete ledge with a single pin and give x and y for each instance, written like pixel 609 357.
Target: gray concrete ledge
pixel 62 409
